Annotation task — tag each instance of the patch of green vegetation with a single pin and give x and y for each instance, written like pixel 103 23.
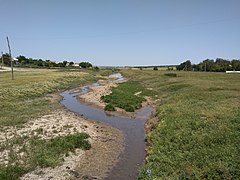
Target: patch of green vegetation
pixel 109 107
pixel 123 96
pixel 198 132
pixel 42 153
pixel 11 172
pixel 48 153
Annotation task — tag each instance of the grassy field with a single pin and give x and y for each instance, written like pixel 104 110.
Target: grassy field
pixel 25 98
pixel 198 133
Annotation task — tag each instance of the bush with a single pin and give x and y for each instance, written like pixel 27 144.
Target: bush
pixel 155 68
pixel 109 107
pixel 129 108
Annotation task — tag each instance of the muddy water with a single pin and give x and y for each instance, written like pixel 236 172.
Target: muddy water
pixel 133 129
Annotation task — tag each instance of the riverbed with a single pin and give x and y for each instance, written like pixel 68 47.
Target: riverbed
pixel 132 157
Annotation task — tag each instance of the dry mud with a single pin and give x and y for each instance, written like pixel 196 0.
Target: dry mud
pixel 106 142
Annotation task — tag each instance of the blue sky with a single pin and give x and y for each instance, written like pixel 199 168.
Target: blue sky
pixel 122 32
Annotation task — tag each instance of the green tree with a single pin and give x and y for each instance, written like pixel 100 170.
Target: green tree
pixel 64 63
pixel 186 66
pixel 235 65
pixel 6 59
pixel 85 64
pixel 23 60
pixel 71 63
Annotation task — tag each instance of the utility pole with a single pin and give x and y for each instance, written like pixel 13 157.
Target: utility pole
pixel 2 61
pixel 10 54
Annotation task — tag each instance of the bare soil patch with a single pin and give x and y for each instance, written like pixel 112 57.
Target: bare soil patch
pixel 95 163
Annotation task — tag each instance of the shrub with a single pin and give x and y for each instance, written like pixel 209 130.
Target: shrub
pixel 155 68
pixel 109 107
pixel 129 108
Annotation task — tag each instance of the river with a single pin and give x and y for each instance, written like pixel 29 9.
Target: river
pixel 133 154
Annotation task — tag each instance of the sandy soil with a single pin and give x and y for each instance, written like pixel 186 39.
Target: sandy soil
pixel 107 144
pixel 95 93
pixel 92 164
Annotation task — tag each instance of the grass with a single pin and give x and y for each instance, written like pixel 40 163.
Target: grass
pixel 198 133
pixel 25 97
pixel 43 153
pixel 123 96
pixel 48 153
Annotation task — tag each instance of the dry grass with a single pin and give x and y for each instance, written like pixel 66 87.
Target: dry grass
pixel 24 98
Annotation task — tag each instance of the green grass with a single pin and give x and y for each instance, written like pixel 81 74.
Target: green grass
pixel 123 96
pixel 25 97
pixel 48 153
pixel 43 153
pixel 110 107
pixel 198 133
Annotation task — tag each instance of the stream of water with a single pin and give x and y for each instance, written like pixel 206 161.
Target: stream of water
pixel 133 129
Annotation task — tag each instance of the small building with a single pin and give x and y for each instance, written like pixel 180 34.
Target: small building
pixel 232 71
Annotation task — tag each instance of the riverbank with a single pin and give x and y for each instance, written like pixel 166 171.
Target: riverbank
pixel 197 131
pixel 104 87
pixel 42 140
pixel 131 124
pixel 106 145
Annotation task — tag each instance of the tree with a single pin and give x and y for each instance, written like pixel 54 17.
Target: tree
pixel 22 60
pixel 235 65
pixel 96 68
pixel 186 66
pixel 71 63
pixel 219 65
pixel 65 63
pixel 85 64
pixel 6 59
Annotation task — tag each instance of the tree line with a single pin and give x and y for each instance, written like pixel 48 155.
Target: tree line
pixel 210 65
pixel 22 61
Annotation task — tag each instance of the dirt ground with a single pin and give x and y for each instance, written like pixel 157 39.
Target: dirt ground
pixel 91 164
pixel 106 142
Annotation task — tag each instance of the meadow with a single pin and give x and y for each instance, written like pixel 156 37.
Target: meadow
pixel 197 135
pixel 26 98
pixel 198 132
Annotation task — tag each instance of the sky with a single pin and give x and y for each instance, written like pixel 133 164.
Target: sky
pixel 121 32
